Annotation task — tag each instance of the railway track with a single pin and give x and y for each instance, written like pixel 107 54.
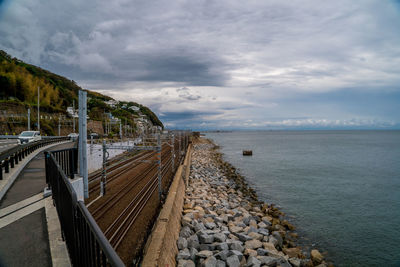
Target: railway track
pixel 125 213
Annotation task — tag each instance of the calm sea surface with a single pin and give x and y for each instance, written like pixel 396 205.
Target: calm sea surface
pixel 340 188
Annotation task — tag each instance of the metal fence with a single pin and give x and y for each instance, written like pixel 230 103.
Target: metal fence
pixel 11 157
pixel 86 243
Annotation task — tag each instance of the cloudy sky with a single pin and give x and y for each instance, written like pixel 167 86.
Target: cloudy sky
pixel 268 64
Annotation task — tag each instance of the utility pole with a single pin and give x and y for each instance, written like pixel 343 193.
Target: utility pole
pixel 29 119
pixel 38 108
pixel 73 113
pixel 83 141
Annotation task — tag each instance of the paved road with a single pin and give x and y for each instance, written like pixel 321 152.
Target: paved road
pixel 7 144
pixel 24 242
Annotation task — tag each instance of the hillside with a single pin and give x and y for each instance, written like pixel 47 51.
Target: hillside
pixel 19 84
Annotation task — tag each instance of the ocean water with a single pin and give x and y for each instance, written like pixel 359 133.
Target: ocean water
pixel 341 189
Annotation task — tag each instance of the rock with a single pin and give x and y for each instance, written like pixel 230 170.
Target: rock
pixel 255 236
pixel 233 261
pixel 235 229
pixel 262 252
pixel 222 255
pixel 222 246
pixel 236 246
pixel 210 225
pixel 252 229
pixel 273 240
pixel 316 257
pixel 186 263
pixel 253 261
pixel 253 244
pixel 193 252
pixel 250 252
pixel 207 239
pixel 185 232
pixel 209 262
pixel 204 247
pixel 193 242
pixel 183 255
pixel 282 262
pixel 221 263
pixel 243 237
pixel 199 226
pixel 182 243
pixel 270 247
pixel 262 225
pixel 263 231
pixel 295 262
pixel 288 225
pixel 237 253
pixel 253 223
pixel 278 237
pixel 321 265
pixel 267 260
pixel 204 254
pixel 219 237
pixel 292 252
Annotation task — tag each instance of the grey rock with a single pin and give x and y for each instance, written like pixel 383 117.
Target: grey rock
pixel 204 247
pixel 182 243
pixel 263 231
pixel 210 225
pixel 219 237
pixel 185 232
pixel 237 253
pixel 193 242
pixel 222 255
pixel 209 262
pixel 204 254
pixel 221 263
pixel 199 226
pixel 262 252
pixel 241 224
pixel 273 240
pixel 222 246
pixel 193 252
pixel 253 262
pixel 243 237
pixel 233 261
pixel 267 260
pixel 206 239
pixel 278 237
pixel 236 246
pixel 283 263
pixel 183 255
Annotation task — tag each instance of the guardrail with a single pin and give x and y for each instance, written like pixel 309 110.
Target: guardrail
pixel 86 243
pixel 11 157
pixel 68 161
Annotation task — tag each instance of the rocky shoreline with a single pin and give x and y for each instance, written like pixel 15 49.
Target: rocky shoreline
pixel 224 224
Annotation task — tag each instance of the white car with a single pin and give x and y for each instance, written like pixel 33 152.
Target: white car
pixel 73 136
pixel 29 136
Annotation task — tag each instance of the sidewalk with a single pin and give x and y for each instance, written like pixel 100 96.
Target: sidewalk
pixel 29 227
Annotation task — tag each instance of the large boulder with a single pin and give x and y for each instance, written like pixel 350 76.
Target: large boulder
pixel 316 257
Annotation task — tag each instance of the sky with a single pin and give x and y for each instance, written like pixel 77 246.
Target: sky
pixel 224 64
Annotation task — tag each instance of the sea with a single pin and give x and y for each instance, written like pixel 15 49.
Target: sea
pixel 341 189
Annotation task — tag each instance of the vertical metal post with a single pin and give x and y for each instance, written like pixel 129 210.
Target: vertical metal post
pixel 83 141
pixel 38 108
pixel 59 126
pixel 120 129
pixel 173 151
pixel 73 114
pixel 29 119
pixel 159 165
pixel 104 171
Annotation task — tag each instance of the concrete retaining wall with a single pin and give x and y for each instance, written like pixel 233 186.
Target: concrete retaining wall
pixel 161 248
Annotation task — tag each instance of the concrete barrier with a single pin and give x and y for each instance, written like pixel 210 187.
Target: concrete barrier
pixel 161 248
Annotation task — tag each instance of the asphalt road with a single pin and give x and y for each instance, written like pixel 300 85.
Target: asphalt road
pixel 7 144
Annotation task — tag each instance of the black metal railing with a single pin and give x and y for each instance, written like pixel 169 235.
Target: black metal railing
pixel 68 161
pixel 11 157
pixel 86 243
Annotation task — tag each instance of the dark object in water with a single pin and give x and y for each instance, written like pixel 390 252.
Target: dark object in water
pixel 247 152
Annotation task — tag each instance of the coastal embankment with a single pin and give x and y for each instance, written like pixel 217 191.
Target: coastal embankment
pixel 224 224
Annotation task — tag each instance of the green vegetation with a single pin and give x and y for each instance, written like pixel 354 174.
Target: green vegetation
pixel 19 84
